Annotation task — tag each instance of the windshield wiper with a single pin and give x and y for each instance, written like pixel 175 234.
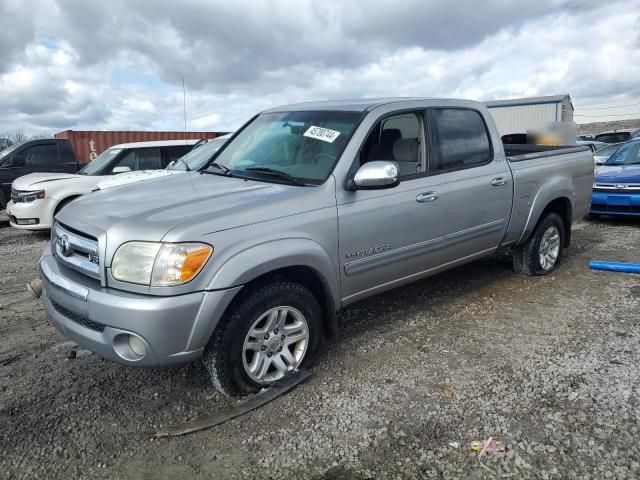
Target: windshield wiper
pixel 275 173
pixel 222 170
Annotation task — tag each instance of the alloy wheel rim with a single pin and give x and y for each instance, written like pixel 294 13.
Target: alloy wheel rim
pixel 275 344
pixel 549 248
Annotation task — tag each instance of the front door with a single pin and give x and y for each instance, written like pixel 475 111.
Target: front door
pixel 386 235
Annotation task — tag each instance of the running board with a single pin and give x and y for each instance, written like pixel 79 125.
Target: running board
pixel 229 413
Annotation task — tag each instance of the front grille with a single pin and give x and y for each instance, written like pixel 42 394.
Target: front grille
pixel 617 188
pixel 77 318
pixel 75 250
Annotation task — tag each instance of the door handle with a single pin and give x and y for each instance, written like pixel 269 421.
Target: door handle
pixel 427 197
pixel 496 182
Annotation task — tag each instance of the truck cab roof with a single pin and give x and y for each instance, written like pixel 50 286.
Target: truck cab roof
pixel 361 105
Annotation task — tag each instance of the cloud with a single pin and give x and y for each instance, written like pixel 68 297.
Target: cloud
pixel 88 64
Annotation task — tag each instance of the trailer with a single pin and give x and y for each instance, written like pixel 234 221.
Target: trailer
pixel 88 144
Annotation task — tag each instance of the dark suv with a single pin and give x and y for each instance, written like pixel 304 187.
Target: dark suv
pixel 51 155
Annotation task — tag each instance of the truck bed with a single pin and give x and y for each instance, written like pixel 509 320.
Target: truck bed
pixel 521 152
pixel 541 173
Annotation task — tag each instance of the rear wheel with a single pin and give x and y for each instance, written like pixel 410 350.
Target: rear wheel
pixel 542 253
pixel 271 331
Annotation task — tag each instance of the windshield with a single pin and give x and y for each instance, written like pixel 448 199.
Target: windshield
pixel 101 163
pixel 9 150
pixel 197 157
pixel 301 147
pixel 627 154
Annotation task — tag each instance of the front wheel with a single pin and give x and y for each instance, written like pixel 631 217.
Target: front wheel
pixel 271 331
pixel 542 253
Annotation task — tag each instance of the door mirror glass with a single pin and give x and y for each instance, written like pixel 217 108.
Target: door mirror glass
pixel 377 174
pixel 120 169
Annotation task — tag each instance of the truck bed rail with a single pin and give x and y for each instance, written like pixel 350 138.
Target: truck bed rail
pixel 520 153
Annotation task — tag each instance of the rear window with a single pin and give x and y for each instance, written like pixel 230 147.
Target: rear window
pixel 459 139
pixel 615 137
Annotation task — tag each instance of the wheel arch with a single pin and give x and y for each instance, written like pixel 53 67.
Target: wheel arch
pixel 299 260
pixel 63 201
pixel 555 197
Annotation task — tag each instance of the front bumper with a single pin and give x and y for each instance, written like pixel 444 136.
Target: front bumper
pixel 40 211
pixel 611 203
pixel 173 330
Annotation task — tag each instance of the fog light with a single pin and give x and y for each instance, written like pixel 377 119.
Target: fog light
pixel 27 221
pixel 136 346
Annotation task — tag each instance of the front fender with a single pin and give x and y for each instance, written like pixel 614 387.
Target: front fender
pixel 267 257
pixel 554 188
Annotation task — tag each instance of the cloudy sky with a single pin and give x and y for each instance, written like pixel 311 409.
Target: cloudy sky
pixel 88 64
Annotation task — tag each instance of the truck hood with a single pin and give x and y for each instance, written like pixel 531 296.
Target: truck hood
pixel 197 203
pixel 618 174
pixel 36 181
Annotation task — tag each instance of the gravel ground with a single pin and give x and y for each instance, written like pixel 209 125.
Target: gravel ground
pixel 547 365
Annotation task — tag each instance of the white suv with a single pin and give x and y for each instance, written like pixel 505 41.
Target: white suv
pixel 37 197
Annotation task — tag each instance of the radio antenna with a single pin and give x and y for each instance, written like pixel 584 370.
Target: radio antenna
pixel 184 108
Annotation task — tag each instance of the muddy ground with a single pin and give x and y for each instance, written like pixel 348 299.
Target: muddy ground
pixel 547 365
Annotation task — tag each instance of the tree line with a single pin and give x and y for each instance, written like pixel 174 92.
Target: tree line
pixel 10 137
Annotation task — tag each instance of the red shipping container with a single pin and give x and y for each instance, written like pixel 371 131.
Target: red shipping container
pixel 87 145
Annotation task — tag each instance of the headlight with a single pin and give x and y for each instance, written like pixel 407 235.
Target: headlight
pixel 28 197
pixel 159 264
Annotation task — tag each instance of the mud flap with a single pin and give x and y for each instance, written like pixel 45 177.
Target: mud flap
pixel 245 406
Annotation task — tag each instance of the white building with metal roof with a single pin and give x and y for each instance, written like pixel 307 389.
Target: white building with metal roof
pixel 521 115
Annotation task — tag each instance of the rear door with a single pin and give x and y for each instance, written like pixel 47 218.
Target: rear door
pixel 67 157
pixel 473 185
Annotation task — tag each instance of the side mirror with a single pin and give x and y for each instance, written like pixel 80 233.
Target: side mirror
pixel 599 163
pixel 18 160
pixel 117 170
pixel 375 175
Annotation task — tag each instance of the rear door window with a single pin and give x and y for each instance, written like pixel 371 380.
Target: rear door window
pixel 458 139
pixel 141 159
pixel 42 156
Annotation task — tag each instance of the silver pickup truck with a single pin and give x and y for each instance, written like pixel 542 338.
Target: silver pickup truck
pixel 307 209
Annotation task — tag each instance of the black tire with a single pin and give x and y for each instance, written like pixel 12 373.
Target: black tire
pixel 526 258
pixel 223 355
pixel 593 216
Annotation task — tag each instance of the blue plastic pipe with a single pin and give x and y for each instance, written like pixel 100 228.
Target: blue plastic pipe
pixel 615 266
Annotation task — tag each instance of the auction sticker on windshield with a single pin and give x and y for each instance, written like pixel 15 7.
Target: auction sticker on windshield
pixel 319 133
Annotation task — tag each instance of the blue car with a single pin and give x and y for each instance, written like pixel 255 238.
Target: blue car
pixel 616 186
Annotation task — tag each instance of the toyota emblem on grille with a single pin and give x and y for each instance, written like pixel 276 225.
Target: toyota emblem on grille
pixel 65 248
